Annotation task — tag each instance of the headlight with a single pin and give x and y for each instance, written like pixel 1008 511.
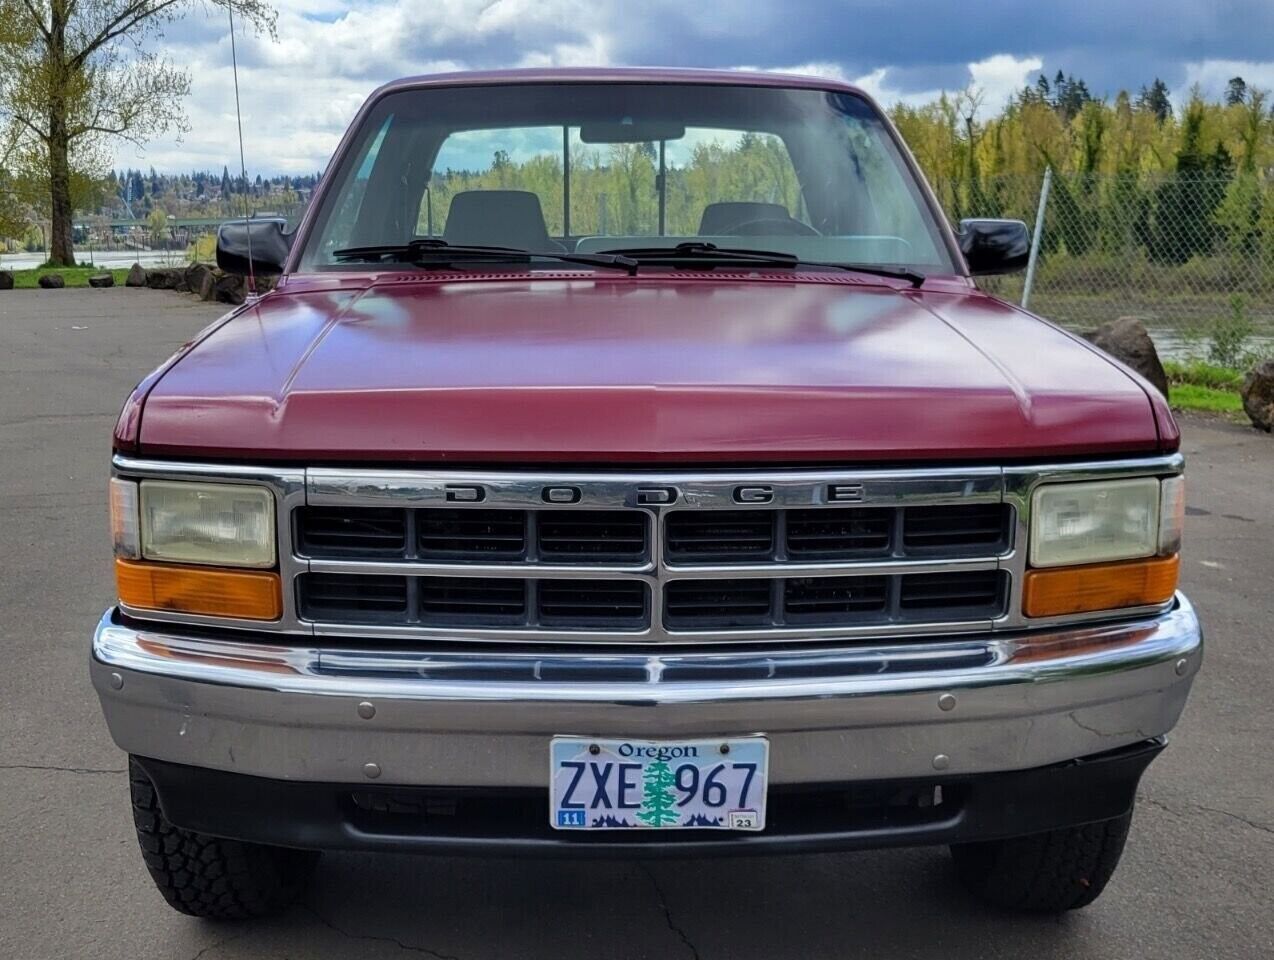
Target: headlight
pixel 220 524
pixel 1076 523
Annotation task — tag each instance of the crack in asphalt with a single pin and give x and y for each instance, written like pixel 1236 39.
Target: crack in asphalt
pixel 54 768
pixel 1254 824
pixel 219 944
pixel 667 911
pixel 413 948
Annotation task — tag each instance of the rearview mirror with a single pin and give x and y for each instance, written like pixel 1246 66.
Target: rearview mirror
pixel 629 130
pixel 263 240
pixel 994 246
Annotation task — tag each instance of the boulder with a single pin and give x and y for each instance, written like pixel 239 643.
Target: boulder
pixel 207 285
pixel 136 276
pixel 229 288
pixel 52 281
pixel 1258 395
pixel 164 279
pixel 6 280
pixel 101 280
pixel 194 276
pixel 1126 340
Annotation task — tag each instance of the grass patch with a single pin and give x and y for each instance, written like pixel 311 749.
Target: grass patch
pixel 1191 396
pixel 1200 373
pixel 74 276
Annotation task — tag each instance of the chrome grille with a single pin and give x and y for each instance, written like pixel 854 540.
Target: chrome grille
pixel 666 558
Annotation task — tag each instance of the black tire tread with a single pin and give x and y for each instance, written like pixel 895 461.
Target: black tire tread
pixel 211 877
pixel 1045 872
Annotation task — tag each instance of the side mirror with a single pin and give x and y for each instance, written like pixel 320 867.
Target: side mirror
pixel 994 246
pixel 264 240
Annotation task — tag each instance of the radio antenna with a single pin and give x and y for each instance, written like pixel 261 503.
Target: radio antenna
pixel 243 166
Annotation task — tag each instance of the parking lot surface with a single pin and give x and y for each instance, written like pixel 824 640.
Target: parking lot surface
pixel 1196 879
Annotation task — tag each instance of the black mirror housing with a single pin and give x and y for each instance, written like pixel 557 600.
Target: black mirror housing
pixel 263 240
pixel 994 246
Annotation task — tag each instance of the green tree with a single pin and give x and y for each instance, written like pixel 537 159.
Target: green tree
pixel 1235 91
pixel 75 73
pixel 658 801
pixel 1155 100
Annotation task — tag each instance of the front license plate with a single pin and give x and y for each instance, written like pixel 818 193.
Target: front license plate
pixel 658 784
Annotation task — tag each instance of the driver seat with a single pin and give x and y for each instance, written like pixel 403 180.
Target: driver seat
pixel 720 218
pixel 499 218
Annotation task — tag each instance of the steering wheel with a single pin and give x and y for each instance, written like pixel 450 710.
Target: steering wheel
pixel 771 227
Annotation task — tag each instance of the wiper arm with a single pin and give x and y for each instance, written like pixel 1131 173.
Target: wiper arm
pixel 704 253
pixel 699 252
pixel 432 252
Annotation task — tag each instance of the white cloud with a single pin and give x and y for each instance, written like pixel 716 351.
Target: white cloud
pixel 1212 76
pixel 997 78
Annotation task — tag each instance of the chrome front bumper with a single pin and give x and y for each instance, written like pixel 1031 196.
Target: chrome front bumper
pixel 968 705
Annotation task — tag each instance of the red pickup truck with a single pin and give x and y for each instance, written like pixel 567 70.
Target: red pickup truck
pixel 626 463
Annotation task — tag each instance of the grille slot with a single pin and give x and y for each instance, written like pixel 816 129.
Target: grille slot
pixel 592 602
pixel 839 533
pixel 720 535
pixel 591 536
pixel 351 531
pixel 718 603
pixel 977 592
pixel 956 530
pixel 472 600
pixel 353 597
pixel 834 598
pixel 452 533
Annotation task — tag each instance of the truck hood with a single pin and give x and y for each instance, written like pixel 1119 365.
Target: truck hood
pixel 578 368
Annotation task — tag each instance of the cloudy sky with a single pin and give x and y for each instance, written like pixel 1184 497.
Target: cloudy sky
pixel 300 91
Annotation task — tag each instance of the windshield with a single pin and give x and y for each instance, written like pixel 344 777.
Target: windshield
pixel 586 168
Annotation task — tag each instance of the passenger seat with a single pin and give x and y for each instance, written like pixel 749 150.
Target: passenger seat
pixel 720 218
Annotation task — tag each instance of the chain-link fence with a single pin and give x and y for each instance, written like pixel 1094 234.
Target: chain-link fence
pixel 1192 256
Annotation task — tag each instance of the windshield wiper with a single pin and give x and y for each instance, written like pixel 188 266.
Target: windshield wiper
pixel 433 252
pixel 702 253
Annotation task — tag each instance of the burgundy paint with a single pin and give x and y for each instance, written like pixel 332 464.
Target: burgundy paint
pixel 575 367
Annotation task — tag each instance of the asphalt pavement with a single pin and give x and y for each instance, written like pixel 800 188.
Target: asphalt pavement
pixel 1196 878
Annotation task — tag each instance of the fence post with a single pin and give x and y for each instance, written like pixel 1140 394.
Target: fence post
pixel 1035 238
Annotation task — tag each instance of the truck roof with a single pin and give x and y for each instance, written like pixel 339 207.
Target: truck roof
pixel 621 75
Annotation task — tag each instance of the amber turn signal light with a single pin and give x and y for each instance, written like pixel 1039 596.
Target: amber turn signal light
pixel 1100 586
pixel 246 594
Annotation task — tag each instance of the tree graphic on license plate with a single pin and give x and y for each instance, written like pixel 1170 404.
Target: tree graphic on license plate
pixel 658 799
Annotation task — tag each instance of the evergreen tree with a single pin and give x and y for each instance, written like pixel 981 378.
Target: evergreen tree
pixel 1235 92
pixel 1155 99
pixel 658 803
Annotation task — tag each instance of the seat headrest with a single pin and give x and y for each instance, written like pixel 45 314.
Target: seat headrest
pixel 721 218
pixel 502 218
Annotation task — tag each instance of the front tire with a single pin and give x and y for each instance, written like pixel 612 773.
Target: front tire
pixel 209 877
pixel 1045 872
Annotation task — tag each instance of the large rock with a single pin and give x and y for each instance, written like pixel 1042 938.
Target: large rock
pixel 229 288
pixel 136 276
pixel 52 281
pixel 165 279
pixel 6 280
pixel 1126 340
pixel 101 280
pixel 195 275
pixel 1258 395
pixel 207 286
